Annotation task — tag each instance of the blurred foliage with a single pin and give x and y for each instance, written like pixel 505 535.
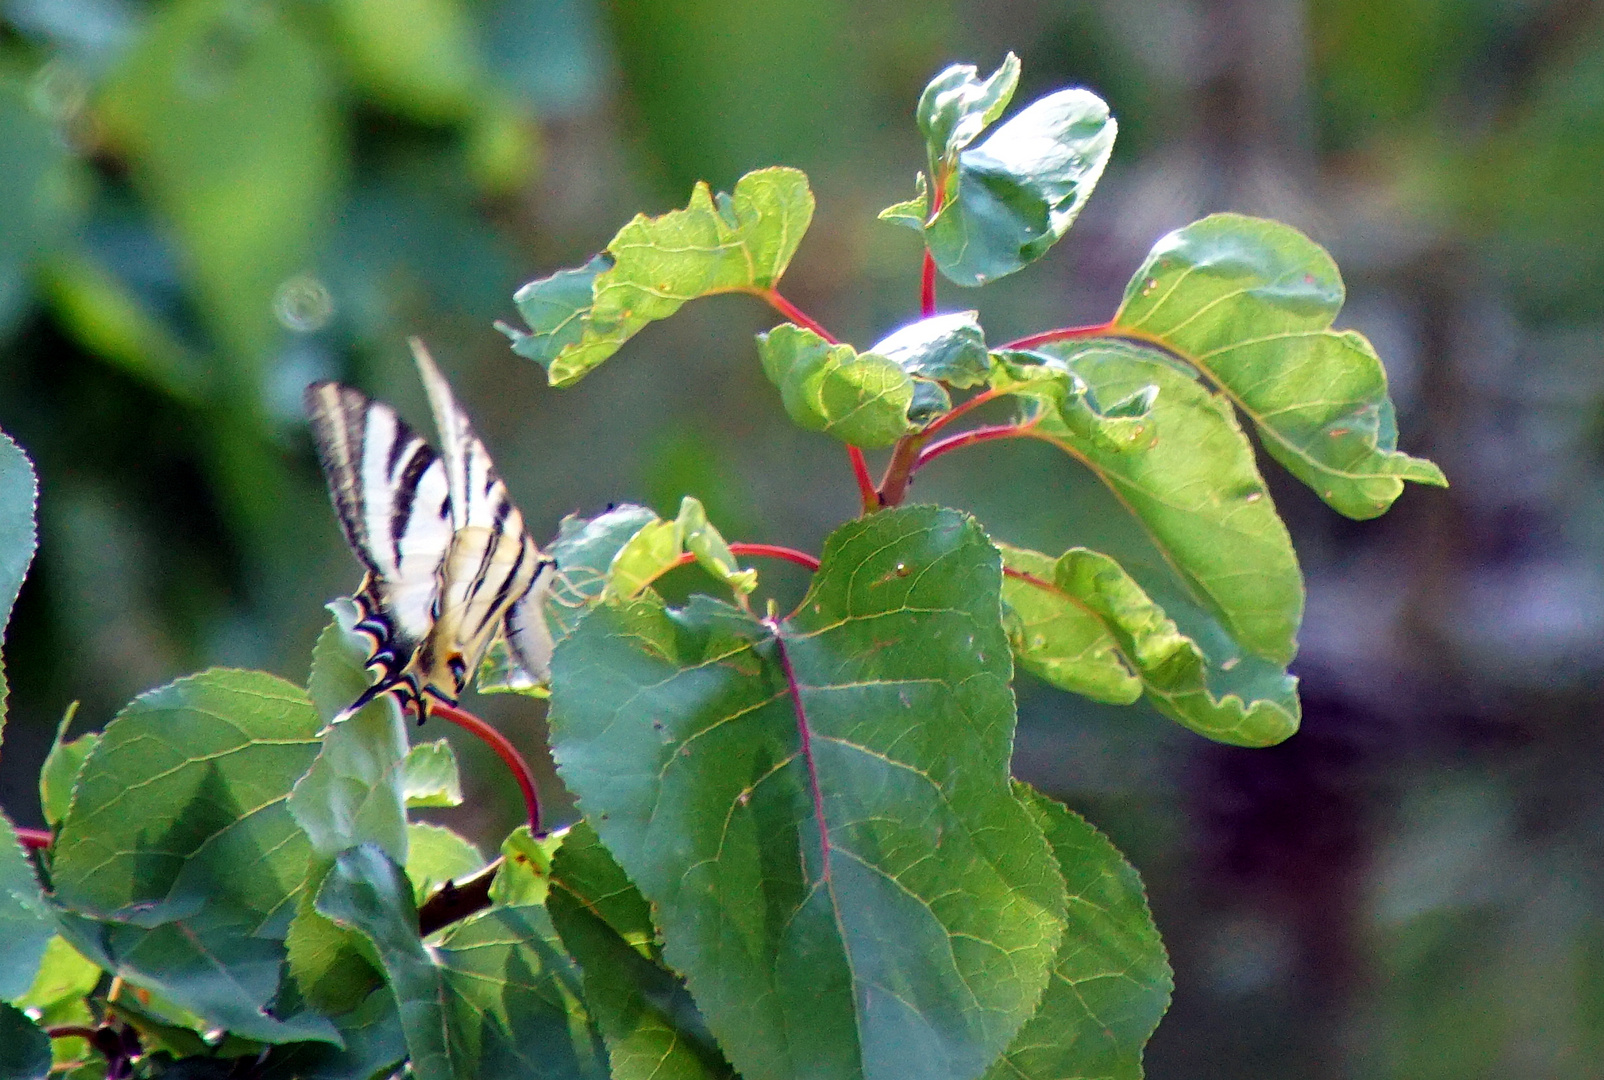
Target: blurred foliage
pixel 212 202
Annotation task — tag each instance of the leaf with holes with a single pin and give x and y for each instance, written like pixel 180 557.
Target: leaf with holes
pixel 819 809
pixel 1250 304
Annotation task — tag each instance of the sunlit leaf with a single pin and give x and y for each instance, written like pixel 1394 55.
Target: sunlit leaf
pixel 65 978
pixel 698 536
pixel 333 968
pixel 1057 638
pixel 1069 408
pixel 525 874
pixel 957 105
pixel 61 767
pixel 429 776
pixel 860 398
pixel 1111 981
pixel 644 558
pixel 24 1048
pixel 948 348
pixel 741 242
pixel 1250 303
pixel 847 861
pixel 25 923
pixel 436 855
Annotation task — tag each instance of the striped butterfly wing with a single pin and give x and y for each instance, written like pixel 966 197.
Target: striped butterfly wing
pixel 392 495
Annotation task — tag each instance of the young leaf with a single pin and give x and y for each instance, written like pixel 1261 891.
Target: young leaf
pixel 585 552
pixel 1250 304
pixel 1111 981
pixel 61 767
pixel 429 776
pixel 1058 639
pixel 1010 199
pixel 1068 408
pixel 852 889
pixel 24 1048
pixel 698 536
pixel 525 874
pixel 947 348
pixel 1208 544
pixel 860 398
pixel 25 923
pixel 647 1018
pixel 958 105
pixel 495 998
pixel 645 557
pixel 436 855
pixel 740 242
pixel 19 494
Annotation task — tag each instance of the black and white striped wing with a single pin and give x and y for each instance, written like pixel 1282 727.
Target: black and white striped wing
pixel 393 498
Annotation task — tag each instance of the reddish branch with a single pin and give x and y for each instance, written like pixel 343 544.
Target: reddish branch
pixel 927 275
pixel 504 750
pixel 775 551
pixel 805 736
pixel 794 313
pixel 452 902
pixel 35 839
pixel 1065 333
pixel 973 435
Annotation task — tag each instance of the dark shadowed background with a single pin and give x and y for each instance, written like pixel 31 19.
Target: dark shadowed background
pixel 209 203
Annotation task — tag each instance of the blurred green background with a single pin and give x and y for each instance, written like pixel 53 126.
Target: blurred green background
pixel 209 203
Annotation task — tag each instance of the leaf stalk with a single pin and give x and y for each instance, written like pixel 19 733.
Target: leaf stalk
pixel 504 750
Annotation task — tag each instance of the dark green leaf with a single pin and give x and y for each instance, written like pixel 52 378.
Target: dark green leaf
pixel 61 767
pixel 1057 638
pixel 652 1028
pixel 19 494
pixel 430 777
pixel 860 398
pixel 852 888
pixel 25 923
pixel 740 242
pixel 24 1049
pixel 374 1047
pixel 436 855
pixel 950 348
pixel 353 792
pixel 958 105
pixel 1014 196
pixel 333 968
pixel 502 1001
pixel 1111 982
pixel 1250 303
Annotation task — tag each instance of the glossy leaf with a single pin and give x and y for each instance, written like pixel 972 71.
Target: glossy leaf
pixel 957 105
pixel 24 1048
pixel 1056 638
pixel 495 998
pixel 647 1018
pixel 1111 982
pixel 847 861
pixel 1012 197
pixel 948 348
pixel 860 398
pixel 436 855
pixel 1211 548
pixel 741 242
pixel 429 776
pixel 19 494
pixel 60 770
pixel 25 923
pixel 1250 303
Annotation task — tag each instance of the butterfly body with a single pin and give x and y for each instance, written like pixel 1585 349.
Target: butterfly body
pixel 449 561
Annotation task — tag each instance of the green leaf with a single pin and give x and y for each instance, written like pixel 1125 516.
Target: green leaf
pixel 419 57
pixel 19 495
pixel 429 776
pixel 502 1001
pixel 525 873
pixel 1198 529
pixel 1111 981
pixel 645 557
pixel 64 975
pixel 24 1048
pixel 180 843
pixel 735 243
pixel 958 105
pixel 852 888
pixel 651 1026
pixel 333 968
pixel 860 398
pixel 698 536
pixel 232 127
pixel 585 551
pixel 1057 638
pixel 1069 408
pixel 437 855
pixel 1250 304
pixel 25 923
pixel 949 348
pixel 60 770
pixel 339 661
pixel 373 1047
pixel 1011 198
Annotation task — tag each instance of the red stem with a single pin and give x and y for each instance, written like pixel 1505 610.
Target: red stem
pixel 1063 333
pixel 504 750
pixel 860 472
pixel 775 551
pixel 973 435
pixel 973 403
pixel 35 839
pixel 70 1031
pixel 805 738
pixel 927 286
pixel 795 314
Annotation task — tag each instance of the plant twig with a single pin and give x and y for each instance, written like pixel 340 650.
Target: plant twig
pixel 794 313
pixel 775 551
pixel 34 839
pixel 927 286
pixel 860 472
pixel 973 435
pixel 899 470
pixel 1066 333
pixel 453 902
pixel 504 750
pixel 959 410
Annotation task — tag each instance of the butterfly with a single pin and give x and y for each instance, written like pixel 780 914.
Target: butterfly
pixel 449 561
